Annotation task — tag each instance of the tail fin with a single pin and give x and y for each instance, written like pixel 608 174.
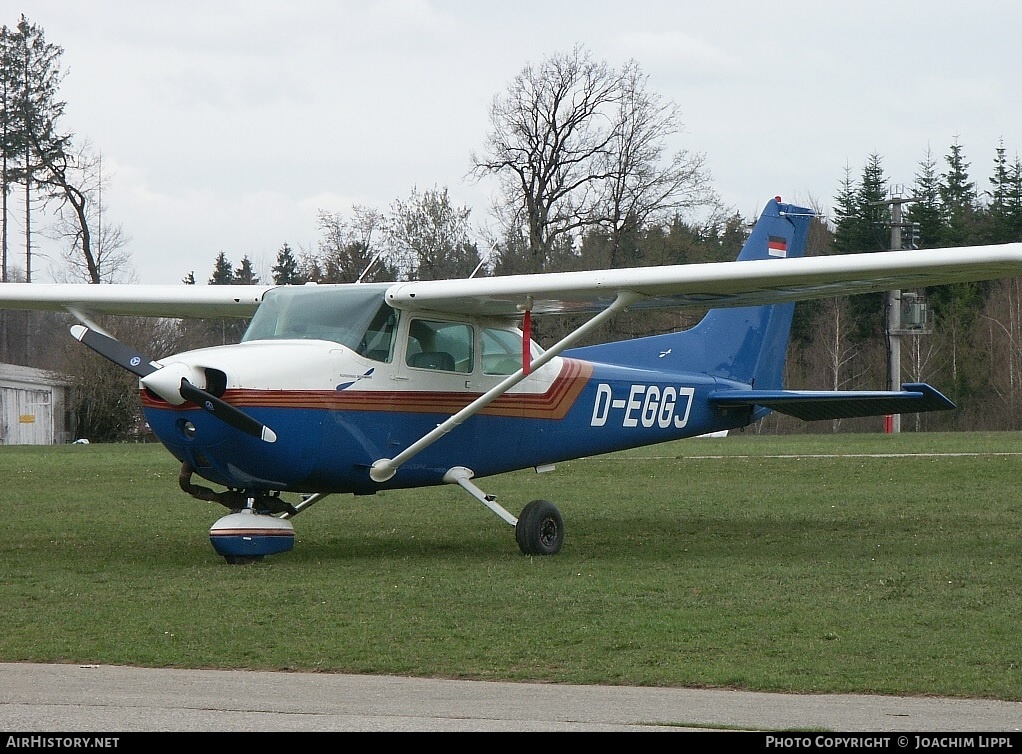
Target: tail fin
pixel 747 344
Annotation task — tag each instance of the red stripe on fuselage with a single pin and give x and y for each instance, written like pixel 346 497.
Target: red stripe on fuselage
pixel 554 403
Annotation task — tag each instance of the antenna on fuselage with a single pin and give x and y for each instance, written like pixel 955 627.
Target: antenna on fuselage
pixel 369 266
pixel 482 261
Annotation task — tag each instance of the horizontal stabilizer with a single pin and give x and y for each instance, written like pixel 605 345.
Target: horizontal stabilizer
pixel 814 405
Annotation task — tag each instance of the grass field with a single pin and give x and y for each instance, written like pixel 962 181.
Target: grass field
pixel 807 564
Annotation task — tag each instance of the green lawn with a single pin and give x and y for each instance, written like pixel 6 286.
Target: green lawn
pixel 767 563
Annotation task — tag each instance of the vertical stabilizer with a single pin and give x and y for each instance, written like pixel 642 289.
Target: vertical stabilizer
pixel 745 344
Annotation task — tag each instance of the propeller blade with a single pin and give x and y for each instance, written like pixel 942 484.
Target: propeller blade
pixel 225 412
pixel 138 364
pixel 120 354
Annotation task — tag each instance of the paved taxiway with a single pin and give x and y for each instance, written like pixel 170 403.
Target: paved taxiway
pixel 111 698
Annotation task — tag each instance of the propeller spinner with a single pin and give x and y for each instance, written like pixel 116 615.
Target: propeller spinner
pixel 171 382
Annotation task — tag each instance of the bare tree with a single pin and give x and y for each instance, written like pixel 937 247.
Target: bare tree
pixel 550 132
pixel 348 250
pixel 97 250
pixel 837 352
pixel 577 144
pixel 430 236
pixel 1002 315
pixel 641 186
pixel 104 398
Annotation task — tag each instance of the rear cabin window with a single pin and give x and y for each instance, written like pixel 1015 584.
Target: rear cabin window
pixel 501 351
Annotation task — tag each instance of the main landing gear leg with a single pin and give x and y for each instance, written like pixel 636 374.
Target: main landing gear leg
pixel 538 531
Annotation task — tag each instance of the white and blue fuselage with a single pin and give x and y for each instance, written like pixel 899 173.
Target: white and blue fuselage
pixel 341 411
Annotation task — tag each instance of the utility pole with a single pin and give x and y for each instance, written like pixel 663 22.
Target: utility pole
pixel 894 328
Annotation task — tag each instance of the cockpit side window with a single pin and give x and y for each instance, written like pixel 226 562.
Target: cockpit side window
pixel 443 346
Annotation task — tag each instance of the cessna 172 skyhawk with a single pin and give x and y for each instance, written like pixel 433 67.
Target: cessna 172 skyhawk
pixel 356 388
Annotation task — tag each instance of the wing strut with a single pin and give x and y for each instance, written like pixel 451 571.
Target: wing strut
pixel 385 468
pixel 83 316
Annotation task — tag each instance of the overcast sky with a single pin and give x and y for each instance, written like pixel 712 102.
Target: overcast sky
pixel 226 126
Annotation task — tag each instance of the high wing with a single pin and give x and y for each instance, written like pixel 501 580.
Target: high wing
pixel 712 285
pixel 141 300
pixel 693 286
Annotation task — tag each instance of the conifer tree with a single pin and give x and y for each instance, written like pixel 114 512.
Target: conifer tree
pixel 31 67
pixel 286 271
pixel 958 195
pixel 1013 201
pixel 927 210
pixel 223 271
pixel 957 306
pixel 863 224
pixel 245 273
pixel 874 208
pixel 999 189
pixel 846 215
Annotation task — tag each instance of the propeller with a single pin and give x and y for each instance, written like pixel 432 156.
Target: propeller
pixel 225 412
pixel 171 382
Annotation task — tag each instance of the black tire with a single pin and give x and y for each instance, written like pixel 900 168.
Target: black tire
pixel 540 529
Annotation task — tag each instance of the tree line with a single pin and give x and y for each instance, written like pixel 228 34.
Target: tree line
pixel 586 179
pixel 970 342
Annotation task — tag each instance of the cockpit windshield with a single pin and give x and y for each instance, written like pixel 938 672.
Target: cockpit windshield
pixel 354 316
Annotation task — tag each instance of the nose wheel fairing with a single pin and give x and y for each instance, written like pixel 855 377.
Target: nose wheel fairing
pixel 247 536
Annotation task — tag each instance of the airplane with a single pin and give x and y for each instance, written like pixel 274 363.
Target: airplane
pixel 363 387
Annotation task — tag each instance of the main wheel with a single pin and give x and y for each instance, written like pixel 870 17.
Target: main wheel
pixel 540 529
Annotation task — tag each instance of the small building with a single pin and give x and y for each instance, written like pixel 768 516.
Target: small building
pixel 32 406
